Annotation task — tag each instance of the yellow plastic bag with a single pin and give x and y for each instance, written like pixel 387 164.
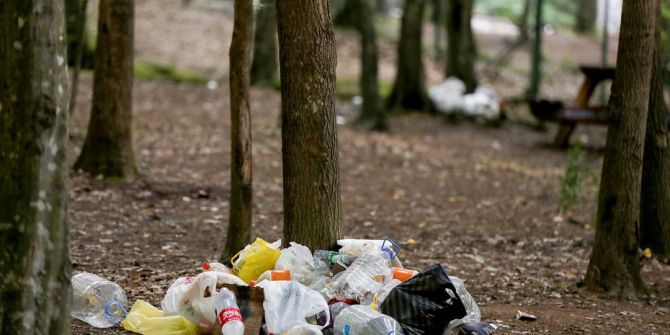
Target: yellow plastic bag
pixel 149 320
pixel 255 259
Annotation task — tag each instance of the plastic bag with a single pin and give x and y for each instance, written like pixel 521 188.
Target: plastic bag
pixel 255 259
pixel 146 319
pixel 192 297
pixel 472 328
pixel 298 260
pixel 288 304
pixel 426 303
pixel 304 330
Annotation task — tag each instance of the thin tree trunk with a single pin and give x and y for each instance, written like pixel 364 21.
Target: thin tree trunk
pixel 409 91
pixel 655 195
pixel 614 266
pixel 239 222
pixel 35 289
pixel 76 45
pixel 372 112
pixel 522 22
pixel 461 49
pixel 438 19
pixel 536 65
pixel 108 148
pixel 312 210
pixel 585 18
pixel 344 17
pixel 265 58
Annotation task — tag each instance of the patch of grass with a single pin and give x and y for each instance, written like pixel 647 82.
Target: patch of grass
pixel 149 70
pixel 572 181
pixel 349 87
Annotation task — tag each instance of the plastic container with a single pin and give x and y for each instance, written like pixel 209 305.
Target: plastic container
pixel 362 320
pixel 228 313
pixel 366 276
pixel 274 275
pixel 403 274
pixel 97 301
pixel 331 258
pixel 214 266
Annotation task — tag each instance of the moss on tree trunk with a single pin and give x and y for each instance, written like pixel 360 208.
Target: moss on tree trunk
pixel 35 289
pixel 655 195
pixel 312 211
pixel 239 223
pixel 614 266
pixel 108 148
pixel 265 55
pixel 409 91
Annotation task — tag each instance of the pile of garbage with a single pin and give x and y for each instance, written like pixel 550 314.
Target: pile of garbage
pixel 449 98
pixel 362 289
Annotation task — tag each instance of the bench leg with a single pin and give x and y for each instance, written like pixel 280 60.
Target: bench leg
pixel 562 139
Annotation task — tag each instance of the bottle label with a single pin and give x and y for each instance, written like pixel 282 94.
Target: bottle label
pixel 229 314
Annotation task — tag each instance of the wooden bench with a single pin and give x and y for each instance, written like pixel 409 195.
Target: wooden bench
pixel 570 116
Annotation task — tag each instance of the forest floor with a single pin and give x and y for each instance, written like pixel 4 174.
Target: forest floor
pixel 482 200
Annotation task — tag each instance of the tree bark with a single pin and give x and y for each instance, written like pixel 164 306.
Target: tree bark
pixel 75 12
pixel 438 18
pixel 614 266
pixel 536 61
pixel 461 49
pixel 265 59
pixel 312 210
pixel 372 112
pixel 35 289
pixel 585 18
pixel 108 148
pixel 409 91
pixel 239 222
pixel 344 17
pixel 655 195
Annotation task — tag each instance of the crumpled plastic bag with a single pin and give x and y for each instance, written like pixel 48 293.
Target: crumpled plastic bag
pixel 298 260
pixel 472 328
pixel 255 259
pixel 192 297
pixel 146 319
pixel 288 304
pixel 426 303
pixel 304 330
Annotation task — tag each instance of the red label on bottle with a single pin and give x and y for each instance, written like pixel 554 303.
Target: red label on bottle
pixel 229 314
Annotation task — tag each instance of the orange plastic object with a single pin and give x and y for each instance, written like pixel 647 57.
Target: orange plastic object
pixel 403 274
pixel 280 275
pixel 206 266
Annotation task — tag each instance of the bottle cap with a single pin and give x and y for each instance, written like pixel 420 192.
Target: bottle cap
pixel 280 275
pixel 252 283
pixel 206 266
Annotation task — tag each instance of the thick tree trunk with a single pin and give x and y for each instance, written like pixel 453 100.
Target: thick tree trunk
pixel 265 59
pixel 655 195
pixel 35 292
pixel 585 18
pixel 372 112
pixel 108 149
pixel 461 48
pixel 614 266
pixel 409 91
pixel 239 219
pixel 312 211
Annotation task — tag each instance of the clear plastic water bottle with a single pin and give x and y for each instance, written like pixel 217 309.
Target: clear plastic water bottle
pixel 362 320
pixel 96 301
pixel 364 277
pixel 332 257
pixel 228 313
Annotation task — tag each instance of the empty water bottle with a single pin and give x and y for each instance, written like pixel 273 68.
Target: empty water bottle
pixel 362 320
pixel 228 313
pixel 364 277
pixel 96 301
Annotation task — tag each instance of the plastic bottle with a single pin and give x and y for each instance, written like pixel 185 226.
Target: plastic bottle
pixel 96 301
pixel 228 313
pixel 332 257
pixel 365 276
pixel 214 266
pixel 403 275
pixel 361 320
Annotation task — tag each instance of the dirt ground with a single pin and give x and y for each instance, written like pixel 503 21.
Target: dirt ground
pixel 482 200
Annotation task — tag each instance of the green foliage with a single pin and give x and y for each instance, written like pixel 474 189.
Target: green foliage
pixel 559 13
pixel 149 70
pixel 349 87
pixel 571 183
pixel 665 34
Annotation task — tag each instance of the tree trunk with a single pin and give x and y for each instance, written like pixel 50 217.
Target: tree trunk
pixel 35 291
pixel 312 211
pixel 372 112
pixel 536 65
pixel 461 49
pixel 239 219
pixel 585 18
pixel 655 195
pixel 614 266
pixel 409 91
pixel 438 19
pixel 265 59
pixel 522 22
pixel 108 149
pixel 344 17
pixel 75 11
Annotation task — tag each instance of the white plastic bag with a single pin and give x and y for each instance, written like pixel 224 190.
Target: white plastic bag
pixel 288 303
pixel 298 260
pixel 304 330
pixel 192 297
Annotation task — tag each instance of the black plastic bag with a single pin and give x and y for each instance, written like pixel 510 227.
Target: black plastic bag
pixel 426 303
pixel 476 328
